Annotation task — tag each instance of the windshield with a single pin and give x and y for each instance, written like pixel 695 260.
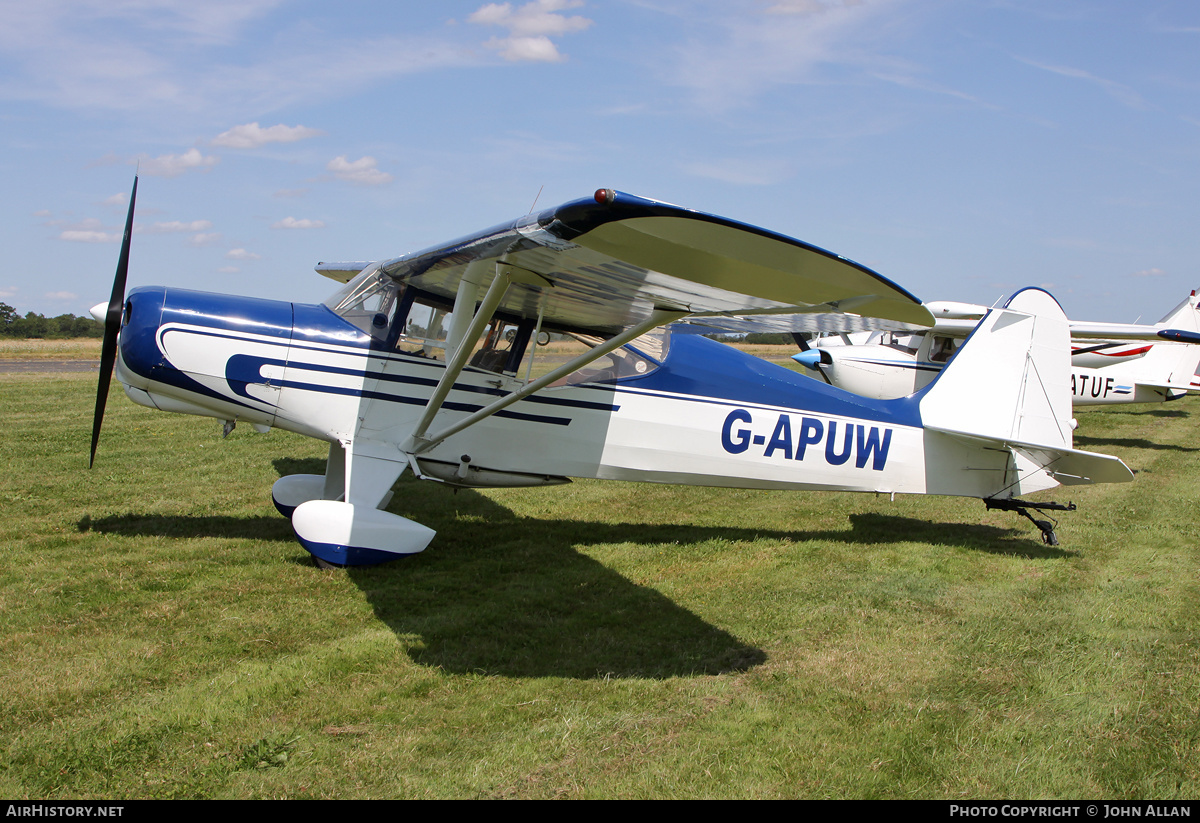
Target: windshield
pixel 367 301
pixel 409 321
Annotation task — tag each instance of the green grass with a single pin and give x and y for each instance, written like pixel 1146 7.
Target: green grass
pixel 164 636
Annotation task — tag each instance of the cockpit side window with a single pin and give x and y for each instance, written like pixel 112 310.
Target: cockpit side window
pixel 635 359
pixel 900 342
pixel 423 329
pixel 942 349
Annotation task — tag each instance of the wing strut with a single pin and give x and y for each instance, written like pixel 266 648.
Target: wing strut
pixel 470 335
pixel 419 443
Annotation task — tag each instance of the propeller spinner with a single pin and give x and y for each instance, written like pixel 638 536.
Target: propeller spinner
pixel 112 326
pixel 812 358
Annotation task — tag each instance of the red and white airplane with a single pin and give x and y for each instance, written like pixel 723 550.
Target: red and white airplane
pixel 1110 362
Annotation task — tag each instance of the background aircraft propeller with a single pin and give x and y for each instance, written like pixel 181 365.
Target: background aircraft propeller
pixel 112 326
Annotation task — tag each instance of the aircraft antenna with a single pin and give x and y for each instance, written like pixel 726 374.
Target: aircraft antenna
pixel 539 196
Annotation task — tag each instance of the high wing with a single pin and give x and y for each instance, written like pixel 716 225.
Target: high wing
pixel 607 263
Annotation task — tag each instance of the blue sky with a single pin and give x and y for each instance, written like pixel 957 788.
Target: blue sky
pixel 963 149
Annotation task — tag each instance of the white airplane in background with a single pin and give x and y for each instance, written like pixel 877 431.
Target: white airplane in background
pixel 1110 362
pixel 423 363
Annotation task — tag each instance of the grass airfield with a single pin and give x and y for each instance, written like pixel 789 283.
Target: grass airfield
pixel 164 635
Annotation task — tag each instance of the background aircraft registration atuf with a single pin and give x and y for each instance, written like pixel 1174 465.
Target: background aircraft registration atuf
pixel 426 363
pixel 1110 362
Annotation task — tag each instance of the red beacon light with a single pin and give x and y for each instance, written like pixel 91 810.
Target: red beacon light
pixel 605 197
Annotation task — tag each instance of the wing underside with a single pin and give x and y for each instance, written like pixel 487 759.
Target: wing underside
pixel 607 263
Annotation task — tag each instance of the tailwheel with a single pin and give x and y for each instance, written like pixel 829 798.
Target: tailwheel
pixel 1022 507
pixel 1048 535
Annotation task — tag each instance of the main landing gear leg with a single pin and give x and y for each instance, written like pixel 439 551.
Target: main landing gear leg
pixel 1022 507
pixel 355 531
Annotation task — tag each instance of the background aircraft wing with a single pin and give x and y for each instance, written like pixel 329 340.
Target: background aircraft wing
pixel 1083 330
pixel 1121 331
pixel 603 264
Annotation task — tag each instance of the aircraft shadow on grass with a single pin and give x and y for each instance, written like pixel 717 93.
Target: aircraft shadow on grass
pixel 1171 413
pixel 508 595
pixel 1084 442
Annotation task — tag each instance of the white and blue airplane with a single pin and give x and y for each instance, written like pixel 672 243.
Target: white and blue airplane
pixel 1111 363
pixel 425 363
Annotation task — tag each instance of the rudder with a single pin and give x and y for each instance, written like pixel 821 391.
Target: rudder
pixel 1011 380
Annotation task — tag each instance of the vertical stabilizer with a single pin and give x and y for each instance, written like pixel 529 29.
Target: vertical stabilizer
pixel 1172 365
pixel 1185 316
pixel 1011 381
pixel 1008 392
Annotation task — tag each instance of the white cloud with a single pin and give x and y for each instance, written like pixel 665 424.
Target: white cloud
pixel 91 230
pixel 532 49
pixel 810 6
pixel 1149 273
pixel 89 236
pixel 61 295
pixel 165 57
pixel 742 172
pixel 252 135
pixel 293 223
pixel 530 28
pixel 173 226
pixel 736 54
pixel 291 193
pixel 242 254
pixel 173 165
pixel 204 239
pixel 361 171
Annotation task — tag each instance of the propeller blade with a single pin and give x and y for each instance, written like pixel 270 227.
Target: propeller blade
pixel 112 326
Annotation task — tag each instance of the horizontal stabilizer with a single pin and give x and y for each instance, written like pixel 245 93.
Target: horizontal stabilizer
pixel 1168 386
pixel 1076 468
pixel 1069 467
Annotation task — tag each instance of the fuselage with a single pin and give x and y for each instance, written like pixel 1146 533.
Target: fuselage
pixel 883 371
pixel 704 414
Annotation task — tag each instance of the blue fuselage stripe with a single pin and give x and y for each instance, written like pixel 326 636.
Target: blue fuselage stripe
pixel 254 364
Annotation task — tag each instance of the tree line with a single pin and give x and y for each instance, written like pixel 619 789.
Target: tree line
pixel 13 325
pixel 760 338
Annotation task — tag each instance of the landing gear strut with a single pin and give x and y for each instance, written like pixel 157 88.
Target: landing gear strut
pixel 1023 507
